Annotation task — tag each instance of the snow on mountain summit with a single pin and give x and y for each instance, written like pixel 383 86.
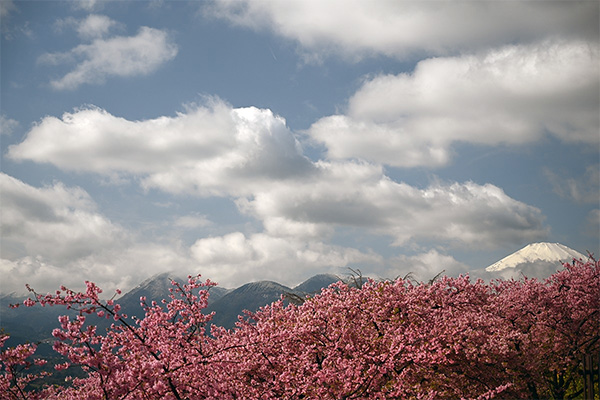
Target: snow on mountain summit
pixel 537 252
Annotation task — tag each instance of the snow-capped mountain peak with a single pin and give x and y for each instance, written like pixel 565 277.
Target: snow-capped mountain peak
pixel 537 252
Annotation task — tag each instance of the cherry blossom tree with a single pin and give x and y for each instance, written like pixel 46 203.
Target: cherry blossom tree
pixel 15 361
pixel 451 338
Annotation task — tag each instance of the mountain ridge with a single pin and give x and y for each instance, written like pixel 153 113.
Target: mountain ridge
pixel 36 323
pixel 537 260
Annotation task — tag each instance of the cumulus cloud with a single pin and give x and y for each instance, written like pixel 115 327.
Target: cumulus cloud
pixel 49 226
pixel 400 29
pixel 122 56
pixel 238 259
pixel 360 195
pixel 56 221
pixel 55 235
pixel 249 154
pixel 213 150
pixel 121 267
pixel 511 95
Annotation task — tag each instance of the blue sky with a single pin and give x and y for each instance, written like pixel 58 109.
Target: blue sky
pixel 254 140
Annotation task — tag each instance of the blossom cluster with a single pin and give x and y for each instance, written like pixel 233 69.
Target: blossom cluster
pixel 451 338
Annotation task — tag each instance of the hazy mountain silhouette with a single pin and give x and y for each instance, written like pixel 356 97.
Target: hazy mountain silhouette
pixel 29 324
pixel 35 324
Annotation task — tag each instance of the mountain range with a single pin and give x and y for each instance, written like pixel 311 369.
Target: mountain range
pixel 35 324
pixel 226 303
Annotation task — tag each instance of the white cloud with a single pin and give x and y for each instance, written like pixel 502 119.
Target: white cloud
pixel 59 222
pixel 511 95
pixel 249 154
pixel 425 266
pixel 237 259
pixel 43 228
pixel 55 235
pixel 361 196
pixel 118 268
pixel 95 26
pixel 355 28
pixel 7 125
pixel 120 56
pixel 92 27
pixel 215 150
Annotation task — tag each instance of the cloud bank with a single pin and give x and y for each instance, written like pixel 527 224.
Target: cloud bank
pixel 401 29
pixel 250 155
pixel 361 196
pixel 55 234
pixel 491 73
pixel 208 151
pixel 511 95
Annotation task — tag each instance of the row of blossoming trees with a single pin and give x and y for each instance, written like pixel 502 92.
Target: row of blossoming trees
pixel 452 339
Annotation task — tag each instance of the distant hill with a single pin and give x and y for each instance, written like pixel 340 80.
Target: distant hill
pixel 29 324
pixel 226 303
pixel 157 288
pixel 316 283
pixel 35 324
pixel 250 296
pixel 255 295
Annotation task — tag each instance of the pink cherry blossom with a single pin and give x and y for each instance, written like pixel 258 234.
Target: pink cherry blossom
pixel 450 339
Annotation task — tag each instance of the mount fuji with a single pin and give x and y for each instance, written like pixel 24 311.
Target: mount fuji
pixel 536 260
pixel 537 252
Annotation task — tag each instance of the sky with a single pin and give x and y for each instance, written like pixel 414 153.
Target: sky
pixel 260 140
